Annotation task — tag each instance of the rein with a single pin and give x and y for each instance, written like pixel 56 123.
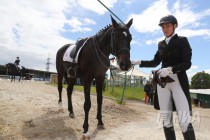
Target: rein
pixel 114 52
pixel 131 72
pixel 97 47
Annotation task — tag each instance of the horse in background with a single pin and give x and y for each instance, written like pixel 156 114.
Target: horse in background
pixel 14 71
pixel 93 62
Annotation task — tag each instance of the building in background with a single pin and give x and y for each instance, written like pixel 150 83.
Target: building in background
pixel 134 77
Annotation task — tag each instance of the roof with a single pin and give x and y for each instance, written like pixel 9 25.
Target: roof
pixel 200 91
pixel 135 72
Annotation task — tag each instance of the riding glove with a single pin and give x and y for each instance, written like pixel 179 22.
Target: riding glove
pixel 136 62
pixel 164 72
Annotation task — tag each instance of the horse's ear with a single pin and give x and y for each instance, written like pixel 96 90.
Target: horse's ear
pixel 114 23
pixel 128 25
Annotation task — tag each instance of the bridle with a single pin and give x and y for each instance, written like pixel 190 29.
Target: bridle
pixel 98 49
pixel 114 52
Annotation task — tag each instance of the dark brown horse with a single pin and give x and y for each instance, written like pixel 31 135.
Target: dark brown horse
pixel 14 71
pixel 93 62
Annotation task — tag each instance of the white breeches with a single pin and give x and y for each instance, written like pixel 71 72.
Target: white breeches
pixel 173 91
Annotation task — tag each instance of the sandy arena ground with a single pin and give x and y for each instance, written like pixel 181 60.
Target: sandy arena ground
pixel 29 111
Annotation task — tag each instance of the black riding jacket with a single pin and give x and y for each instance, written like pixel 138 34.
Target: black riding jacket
pixel 17 62
pixel 177 54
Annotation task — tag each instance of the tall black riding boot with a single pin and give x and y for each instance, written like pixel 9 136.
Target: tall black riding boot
pixel 189 134
pixel 169 133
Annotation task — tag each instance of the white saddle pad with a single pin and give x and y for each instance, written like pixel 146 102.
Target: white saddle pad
pixel 66 56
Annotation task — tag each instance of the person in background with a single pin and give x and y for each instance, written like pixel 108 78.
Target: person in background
pixel 174 52
pixel 145 98
pixel 151 95
pixel 148 91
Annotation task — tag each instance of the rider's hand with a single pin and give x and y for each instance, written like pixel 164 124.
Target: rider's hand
pixel 164 72
pixel 136 62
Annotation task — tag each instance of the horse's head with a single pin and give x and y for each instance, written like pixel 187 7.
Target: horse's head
pixel 8 65
pixel 120 43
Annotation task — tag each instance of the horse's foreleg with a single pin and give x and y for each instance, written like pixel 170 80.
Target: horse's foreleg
pixel 13 78
pixel 87 105
pixel 20 78
pixel 99 87
pixel 69 95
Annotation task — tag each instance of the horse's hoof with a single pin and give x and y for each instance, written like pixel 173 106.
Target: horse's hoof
pixel 60 111
pixel 85 136
pixel 71 115
pixel 60 104
pixel 101 127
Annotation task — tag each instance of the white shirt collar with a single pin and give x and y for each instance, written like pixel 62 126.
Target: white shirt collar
pixel 167 39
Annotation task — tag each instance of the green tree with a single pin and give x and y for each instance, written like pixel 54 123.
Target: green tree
pixel 200 80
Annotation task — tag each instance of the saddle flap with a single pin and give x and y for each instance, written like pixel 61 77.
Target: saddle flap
pixel 80 43
pixel 73 52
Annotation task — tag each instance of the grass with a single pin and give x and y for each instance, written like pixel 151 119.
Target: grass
pixel 131 93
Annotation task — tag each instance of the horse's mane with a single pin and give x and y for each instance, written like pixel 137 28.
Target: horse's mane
pixel 97 34
pixel 10 63
pixel 103 30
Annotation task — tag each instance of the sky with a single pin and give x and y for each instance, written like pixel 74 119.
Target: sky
pixel 35 29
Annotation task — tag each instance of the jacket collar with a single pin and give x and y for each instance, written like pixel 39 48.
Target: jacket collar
pixel 172 39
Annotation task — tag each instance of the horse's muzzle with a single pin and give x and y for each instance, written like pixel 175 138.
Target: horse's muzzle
pixel 125 65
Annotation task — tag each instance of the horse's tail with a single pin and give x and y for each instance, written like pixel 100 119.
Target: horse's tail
pixel 7 69
pixel 59 56
pixel 60 69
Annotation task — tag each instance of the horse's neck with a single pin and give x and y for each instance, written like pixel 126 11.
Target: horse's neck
pixel 104 43
pixel 13 66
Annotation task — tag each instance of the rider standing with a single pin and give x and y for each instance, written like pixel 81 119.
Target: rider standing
pixel 174 52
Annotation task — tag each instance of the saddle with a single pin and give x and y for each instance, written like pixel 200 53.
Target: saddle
pixel 73 54
pixel 161 81
pixel 80 43
pixel 18 67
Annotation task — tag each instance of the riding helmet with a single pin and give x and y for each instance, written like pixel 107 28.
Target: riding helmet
pixel 168 19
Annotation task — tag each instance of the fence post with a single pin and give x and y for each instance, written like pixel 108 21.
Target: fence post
pixel 124 86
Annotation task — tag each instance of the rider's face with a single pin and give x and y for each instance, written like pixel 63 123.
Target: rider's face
pixel 167 29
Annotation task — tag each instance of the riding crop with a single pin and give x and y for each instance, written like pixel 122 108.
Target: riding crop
pixel 111 12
